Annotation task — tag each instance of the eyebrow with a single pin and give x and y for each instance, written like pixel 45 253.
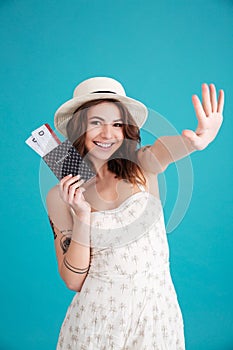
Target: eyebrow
pixel 96 117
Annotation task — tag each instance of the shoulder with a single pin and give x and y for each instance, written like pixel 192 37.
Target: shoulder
pixel 54 201
pixel 53 193
pixel 53 196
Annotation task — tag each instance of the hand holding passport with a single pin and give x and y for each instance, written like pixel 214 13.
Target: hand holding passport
pixel 61 157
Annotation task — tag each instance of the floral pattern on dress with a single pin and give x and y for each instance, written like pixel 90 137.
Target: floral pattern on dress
pixel 128 300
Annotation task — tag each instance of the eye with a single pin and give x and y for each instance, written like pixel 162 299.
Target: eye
pixel 119 125
pixel 95 122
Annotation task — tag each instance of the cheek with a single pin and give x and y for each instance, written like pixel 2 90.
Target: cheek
pixel 90 134
pixel 120 134
pixel 88 140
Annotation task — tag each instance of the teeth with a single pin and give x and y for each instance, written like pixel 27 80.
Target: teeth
pixel 105 145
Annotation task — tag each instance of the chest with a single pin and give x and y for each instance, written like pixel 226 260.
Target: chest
pixel 105 197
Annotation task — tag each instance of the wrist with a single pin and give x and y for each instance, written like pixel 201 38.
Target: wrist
pixel 82 216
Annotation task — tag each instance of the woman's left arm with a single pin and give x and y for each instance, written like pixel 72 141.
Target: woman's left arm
pixel 168 149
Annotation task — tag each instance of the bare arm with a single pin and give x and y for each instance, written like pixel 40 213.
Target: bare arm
pixel 71 230
pixel 168 149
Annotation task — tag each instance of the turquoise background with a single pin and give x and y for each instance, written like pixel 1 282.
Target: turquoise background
pixel 161 51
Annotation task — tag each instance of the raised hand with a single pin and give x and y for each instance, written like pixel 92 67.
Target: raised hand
pixel 72 194
pixel 209 116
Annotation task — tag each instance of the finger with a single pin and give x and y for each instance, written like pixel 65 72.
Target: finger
pixel 195 139
pixel 213 98
pixel 200 113
pixel 69 182
pixel 190 135
pixel 206 100
pixel 74 188
pixel 61 186
pixel 63 180
pixel 64 186
pixel 79 194
pixel 220 102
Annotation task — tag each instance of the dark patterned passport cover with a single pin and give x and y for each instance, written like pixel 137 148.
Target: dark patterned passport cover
pixel 64 160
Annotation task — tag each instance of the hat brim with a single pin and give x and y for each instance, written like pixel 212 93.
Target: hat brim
pixel 65 112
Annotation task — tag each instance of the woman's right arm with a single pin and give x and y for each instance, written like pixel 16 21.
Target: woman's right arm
pixel 69 216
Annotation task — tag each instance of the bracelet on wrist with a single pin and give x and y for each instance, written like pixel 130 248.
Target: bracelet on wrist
pixel 73 268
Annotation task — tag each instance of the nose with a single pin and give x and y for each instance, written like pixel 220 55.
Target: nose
pixel 106 131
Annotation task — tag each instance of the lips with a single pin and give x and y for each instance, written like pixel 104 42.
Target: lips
pixel 103 145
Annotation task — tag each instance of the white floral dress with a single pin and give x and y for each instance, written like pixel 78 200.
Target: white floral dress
pixel 127 301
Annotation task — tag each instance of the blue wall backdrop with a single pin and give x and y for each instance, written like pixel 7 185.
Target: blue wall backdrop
pixel 161 51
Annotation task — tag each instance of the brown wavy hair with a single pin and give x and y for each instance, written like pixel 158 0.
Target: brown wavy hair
pixel 123 163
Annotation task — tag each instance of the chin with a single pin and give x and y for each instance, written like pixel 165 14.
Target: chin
pixel 106 157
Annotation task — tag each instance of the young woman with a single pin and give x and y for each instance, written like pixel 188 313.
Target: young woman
pixel 109 232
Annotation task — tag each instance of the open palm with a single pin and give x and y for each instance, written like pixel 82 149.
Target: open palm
pixel 209 116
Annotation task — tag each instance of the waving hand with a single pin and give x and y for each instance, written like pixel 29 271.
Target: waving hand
pixel 209 116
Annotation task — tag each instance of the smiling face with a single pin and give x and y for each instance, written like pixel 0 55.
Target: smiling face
pixel 104 134
pixel 102 129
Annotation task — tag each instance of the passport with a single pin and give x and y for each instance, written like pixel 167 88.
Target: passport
pixel 64 160
pixel 61 157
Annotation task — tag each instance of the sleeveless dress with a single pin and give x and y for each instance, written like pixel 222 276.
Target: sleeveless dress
pixel 127 301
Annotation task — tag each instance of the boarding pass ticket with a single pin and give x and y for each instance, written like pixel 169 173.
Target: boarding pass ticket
pixel 43 140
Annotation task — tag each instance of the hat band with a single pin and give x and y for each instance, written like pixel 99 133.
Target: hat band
pixel 103 92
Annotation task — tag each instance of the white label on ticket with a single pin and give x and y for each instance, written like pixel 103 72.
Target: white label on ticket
pixel 31 142
pixel 46 138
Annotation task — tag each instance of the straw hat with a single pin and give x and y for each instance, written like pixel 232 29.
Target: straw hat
pixel 93 89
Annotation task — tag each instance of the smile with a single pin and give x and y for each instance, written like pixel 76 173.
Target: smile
pixel 103 145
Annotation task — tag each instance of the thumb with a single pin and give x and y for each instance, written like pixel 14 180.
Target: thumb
pixel 189 134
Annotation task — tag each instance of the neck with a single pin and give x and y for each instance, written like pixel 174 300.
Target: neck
pixel 101 168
